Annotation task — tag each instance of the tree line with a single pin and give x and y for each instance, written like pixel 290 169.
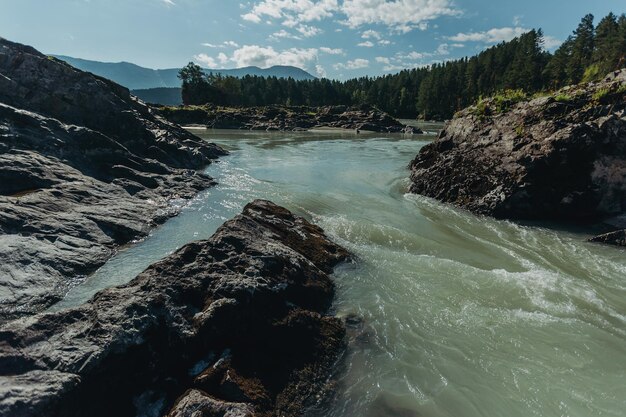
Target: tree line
pixel 436 91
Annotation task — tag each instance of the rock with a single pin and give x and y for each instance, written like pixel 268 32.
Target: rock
pixel 235 325
pixel 617 238
pixel 198 404
pixel 288 118
pixel 560 158
pixel 84 168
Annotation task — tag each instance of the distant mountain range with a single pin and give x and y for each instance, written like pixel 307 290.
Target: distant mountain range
pixel 135 77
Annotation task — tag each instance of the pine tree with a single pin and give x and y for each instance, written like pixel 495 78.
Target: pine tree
pixel 582 50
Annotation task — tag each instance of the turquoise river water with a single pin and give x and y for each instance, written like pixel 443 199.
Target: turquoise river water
pixel 462 316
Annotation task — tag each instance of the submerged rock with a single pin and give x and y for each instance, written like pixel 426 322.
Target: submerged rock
pixel 560 157
pixel 288 118
pixel 84 168
pixel 231 326
pixel 617 238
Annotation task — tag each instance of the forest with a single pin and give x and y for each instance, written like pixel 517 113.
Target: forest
pixel 438 90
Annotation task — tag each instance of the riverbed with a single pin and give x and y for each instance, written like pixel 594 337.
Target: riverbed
pixel 462 316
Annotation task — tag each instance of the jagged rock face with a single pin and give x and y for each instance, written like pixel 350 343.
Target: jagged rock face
pixel 231 326
pixel 84 168
pixel 289 118
pixel 561 157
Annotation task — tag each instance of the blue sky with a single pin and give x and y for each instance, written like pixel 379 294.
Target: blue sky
pixel 333 38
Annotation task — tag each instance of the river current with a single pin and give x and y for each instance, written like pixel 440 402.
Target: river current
pixel 462 316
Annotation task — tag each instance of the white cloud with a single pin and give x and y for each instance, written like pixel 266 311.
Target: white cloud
pixel 443 49
pixel 251 17
pixel 494 35
pixel 413 55
pixel 321 72
pixel 399 15
pixel 370 34
pixel 283 34
pixel 550 43
pixel 354 64
pixel 366 44
pixel 264 57
pixel 331 51
pixel 206 60
pixel 223 58
pixel 254 55
pixel 309 31
pixel 169 2
pixel 226 44
pixel 383 60
pixel 384 42
pixel 293 12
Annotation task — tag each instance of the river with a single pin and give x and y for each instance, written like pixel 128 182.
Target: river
pixel 463 316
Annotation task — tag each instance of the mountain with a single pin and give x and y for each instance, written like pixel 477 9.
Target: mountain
pixel 167 96
pixel 135 77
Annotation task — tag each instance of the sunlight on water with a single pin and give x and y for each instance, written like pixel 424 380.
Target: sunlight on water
pixel 462 316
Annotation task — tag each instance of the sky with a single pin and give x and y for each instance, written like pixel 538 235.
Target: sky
pixel 329 38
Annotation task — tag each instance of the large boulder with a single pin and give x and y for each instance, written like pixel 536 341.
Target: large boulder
pixel 235 325
pixel 84 168
pixel 558 157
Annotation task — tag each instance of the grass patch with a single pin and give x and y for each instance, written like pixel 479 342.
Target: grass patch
pixel 504 100
pixel 600 94
pixel 563 98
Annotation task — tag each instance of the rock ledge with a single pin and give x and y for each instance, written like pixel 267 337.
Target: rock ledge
pixel 231 326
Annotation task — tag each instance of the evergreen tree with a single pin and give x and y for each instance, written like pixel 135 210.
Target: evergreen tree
pixel 582 50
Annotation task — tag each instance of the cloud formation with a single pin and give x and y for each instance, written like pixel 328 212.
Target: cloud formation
pixel 494 35
pixel 399 15
pixel 353 64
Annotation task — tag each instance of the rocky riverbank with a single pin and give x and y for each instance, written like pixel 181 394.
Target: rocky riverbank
pixel 235 325
pixel 560 157
pixel 84 168
pixel 285 118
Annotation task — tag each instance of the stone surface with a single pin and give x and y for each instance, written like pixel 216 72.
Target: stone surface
pixel 285 118
pixel 232 326
pixel 560 157
pixel 84 168
pixel 617 238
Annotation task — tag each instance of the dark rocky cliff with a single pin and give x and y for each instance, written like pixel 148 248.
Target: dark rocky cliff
pixel 84 168
pixel 560 157
pixel 233 326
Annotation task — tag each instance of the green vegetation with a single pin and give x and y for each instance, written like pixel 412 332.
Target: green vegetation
pixel 563 98
pixel 507 98
pixel 518 69
pixel 600 94
pixel 482 109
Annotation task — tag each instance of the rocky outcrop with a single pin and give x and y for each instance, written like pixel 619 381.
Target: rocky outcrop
pixel 84 168
pixel 231 326
pixel 285 118
pixel 560 157
pixel 617 238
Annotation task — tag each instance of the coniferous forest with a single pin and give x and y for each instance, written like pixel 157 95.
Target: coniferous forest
pixel 439 90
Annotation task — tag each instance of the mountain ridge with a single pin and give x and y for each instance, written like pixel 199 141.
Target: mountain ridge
pixel 136 77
